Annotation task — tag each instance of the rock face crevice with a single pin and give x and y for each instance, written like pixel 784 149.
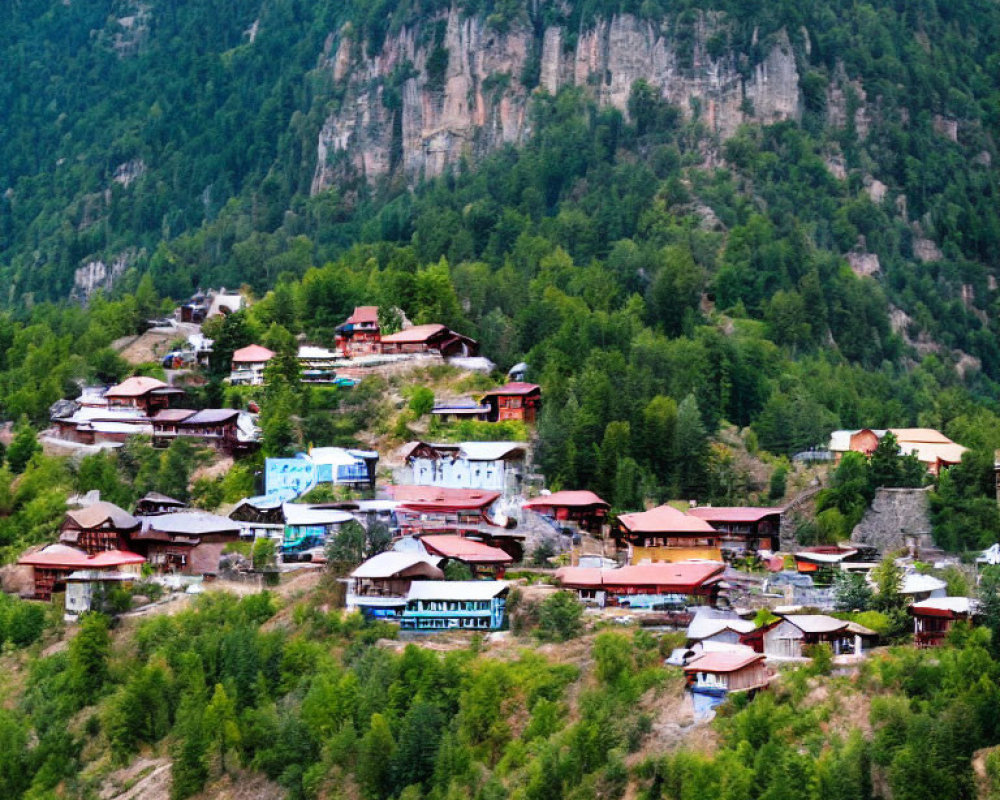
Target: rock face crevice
pixel 397 114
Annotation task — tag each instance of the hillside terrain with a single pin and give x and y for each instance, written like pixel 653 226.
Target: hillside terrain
pixel 712 233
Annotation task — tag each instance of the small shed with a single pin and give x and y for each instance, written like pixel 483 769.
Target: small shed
pixel 727 671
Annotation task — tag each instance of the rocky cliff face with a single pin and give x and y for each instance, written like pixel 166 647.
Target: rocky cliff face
pixel 896 519
pixel 453 87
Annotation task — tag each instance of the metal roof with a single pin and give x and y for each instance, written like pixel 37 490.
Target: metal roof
pixel 460 548
pixel 455 590
pixel 704 626
pixel 212 416
pixel 815 623
pixel 135 386
pixel 956 605
pixel 664 519
pixel 733 513
pixel 490 451
pixel 725 661
pixel 302 514
pixel 190 523
pixel 102 512
pixel 252 354
pixel 391 564
pixel 915 583
pixel 515 388
pixel 63 556
pixel 566 499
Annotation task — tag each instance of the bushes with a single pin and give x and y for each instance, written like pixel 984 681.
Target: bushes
pixel 21 623
pixel 560 617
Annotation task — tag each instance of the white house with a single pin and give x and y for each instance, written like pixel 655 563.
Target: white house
pixel 497 466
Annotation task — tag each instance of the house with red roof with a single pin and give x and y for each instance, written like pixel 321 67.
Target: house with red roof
pixel 666 534
pixel 248 365
pixel 744 529
pixel 482 559
pixel 513 401
pixel 52 565
pixel 359 334
pixel 646 585
pixel 584 509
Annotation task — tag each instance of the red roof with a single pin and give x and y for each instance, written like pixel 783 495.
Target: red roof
pixel 569 499
pixel 723 661
pixel 462 549
pixel 251 354
pixel 441 498
pixel 732 513
pixel 416 334
pixel 135 386
pixel 363 314
pixel 664 519
pixel 63 556
pixel 680 577
pixel 516 388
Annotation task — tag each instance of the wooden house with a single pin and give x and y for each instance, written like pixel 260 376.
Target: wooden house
pixel 153 503
pixel 725 672
pixel 98 527
pixel 188 542
pixel 481 559
pixel 666 534
pixel 432 338
pixel 513 401
pixel 646 585
pixel 935 617
pixel 147 395
pixel 226 429
pixel 359 334
pixel 378 587
pixel 934 450
pixel 790 636
pixel 584 509
pixel 744 529
pixel 52 565
pixel 248 365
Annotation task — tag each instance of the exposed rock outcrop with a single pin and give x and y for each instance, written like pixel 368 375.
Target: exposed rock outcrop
pixel 895 519
pixel 454 87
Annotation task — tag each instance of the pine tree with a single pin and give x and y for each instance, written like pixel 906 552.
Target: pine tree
pixel 23 446
pixel 375 754
pixel 691 450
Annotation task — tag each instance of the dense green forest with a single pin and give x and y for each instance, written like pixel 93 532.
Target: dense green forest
pixel 316 702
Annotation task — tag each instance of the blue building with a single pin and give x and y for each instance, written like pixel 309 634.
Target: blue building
pixel 462 605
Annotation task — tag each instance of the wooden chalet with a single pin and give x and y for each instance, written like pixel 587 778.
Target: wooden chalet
pixel 52 565
pixel 588 511
pixel 218 427
pixel 379 586
pixel 791 635
pixel 743 530
pixel 432 338
pixel 139 392
pixel 666 534
pixel 513 401
pixel 189 542
pixel 647 585
pixel 98 527
pixel 482 559
pixel 727 672
pixel 153 503
pixel 359 334
pixel 935 617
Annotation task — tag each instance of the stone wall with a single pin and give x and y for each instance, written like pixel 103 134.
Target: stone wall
pixel 893 514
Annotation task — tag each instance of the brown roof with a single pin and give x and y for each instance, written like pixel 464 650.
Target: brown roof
pixel 923 435
pixel 415 334
pixel 723 661
pixel 172 415
pixel 97 514
pixel 664 519
pixel 204 558
pixel 136 386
